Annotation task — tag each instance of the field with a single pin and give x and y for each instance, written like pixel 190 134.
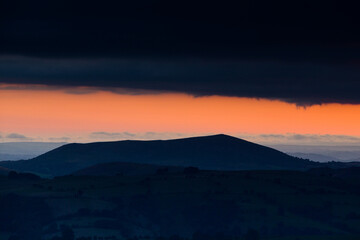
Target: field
pixel 269 205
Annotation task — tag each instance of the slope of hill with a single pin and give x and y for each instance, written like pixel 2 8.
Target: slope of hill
pixel 340 164
pixel 126 169
pixel 207 205
pixel 218 152
pixel 314 157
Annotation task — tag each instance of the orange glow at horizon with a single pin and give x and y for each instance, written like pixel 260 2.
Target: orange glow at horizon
pixel 55 112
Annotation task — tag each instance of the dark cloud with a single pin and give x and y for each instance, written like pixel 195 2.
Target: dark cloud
pixel 17 136
pixel 168 28
pixel 300 83
pixel 111 135
pixel 272 136
pixel 137 136
pixel 306 52
pixel 65 139
pixel 294 138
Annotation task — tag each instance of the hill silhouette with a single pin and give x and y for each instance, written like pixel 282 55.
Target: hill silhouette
pixel 352 173
pixel 126 169
pixel 320 204
pixel 217 152
pixel 314 157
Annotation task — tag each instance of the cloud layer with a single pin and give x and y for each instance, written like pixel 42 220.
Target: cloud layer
pixel 17 136
pixel 266 139
pixel 306 52
pixel 137 136
pixel 188 28
pixel 300 83
pixel 303 139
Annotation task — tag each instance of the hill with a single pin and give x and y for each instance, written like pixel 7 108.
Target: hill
pixel 206 205
pixel 126 169
pixel 315 157
pixel 352 173
pixel 217 152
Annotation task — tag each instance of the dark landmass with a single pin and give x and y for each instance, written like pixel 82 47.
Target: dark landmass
pixel 4 171
pixel 218 152
pixel 126 169
pixel 340 164
pixel 178 189
pixel 343 153
pixel 192 204
pixel 345 173
pixel 315 157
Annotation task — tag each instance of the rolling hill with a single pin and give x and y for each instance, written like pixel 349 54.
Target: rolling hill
pixel 352 173
pixel 126 169
pixel 207 205
pixel 217 152
pixel 315 157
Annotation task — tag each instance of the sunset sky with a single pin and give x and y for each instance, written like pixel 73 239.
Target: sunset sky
pixel 259 70
pixel 39 113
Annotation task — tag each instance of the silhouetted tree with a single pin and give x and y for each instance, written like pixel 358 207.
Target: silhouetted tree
pixel 161 171
pixel 56 238
pixel 191 170
pixel 14 237
pixel 84 212
pixel 26 176
pixel 252 234
pixel 281 211
pixel 175 237
pixel 67 233
pixel 79 193
pixel 25 216
pixel 12 175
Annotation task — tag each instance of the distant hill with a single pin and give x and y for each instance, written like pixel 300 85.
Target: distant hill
pixel 25 150
pixel 218 152
pixel 354 160
pixel 340 164
pixel 315 157
pixel 206 205
pixel 15 157
pixel 345 153
pixel 126 169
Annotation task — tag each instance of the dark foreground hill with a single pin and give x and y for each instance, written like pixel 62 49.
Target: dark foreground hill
pixel 218 152
pixel 202 205
pixel 350 173
pixel 126 169
pixel 4 171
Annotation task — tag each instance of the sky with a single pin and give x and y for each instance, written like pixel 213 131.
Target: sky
pixel 267 71
pixel 39 113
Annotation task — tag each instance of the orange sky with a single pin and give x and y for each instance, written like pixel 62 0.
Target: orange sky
pixel 56 113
